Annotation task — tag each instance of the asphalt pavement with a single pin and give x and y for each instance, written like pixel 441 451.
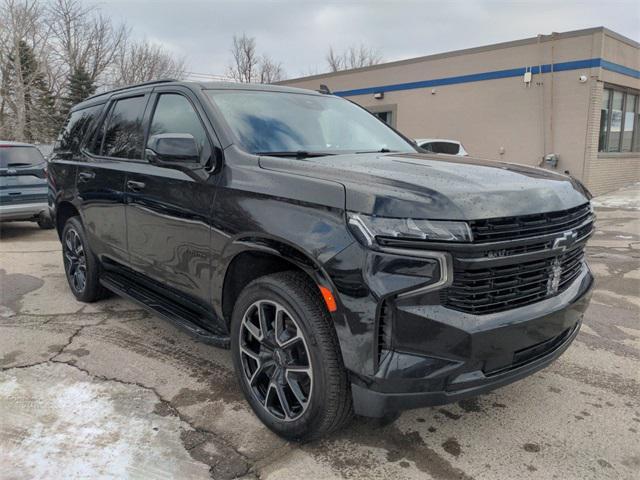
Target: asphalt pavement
pixel 106 390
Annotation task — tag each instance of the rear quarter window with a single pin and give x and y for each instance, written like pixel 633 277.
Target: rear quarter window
pixel 75 130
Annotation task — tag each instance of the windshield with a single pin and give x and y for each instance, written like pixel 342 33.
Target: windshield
pixel 11 157
pixel 281 122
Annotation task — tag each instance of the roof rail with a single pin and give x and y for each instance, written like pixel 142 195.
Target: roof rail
pixel 150 82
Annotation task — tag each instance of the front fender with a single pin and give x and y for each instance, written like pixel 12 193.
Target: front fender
pixel 278 248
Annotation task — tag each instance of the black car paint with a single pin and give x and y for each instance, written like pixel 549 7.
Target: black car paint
pixel 429 186
pixel 185 231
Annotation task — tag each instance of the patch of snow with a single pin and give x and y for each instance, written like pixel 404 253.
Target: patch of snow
pixel 63 424
pixel 8 387
pixel 625 198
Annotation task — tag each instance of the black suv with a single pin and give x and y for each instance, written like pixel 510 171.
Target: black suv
pixel 347 270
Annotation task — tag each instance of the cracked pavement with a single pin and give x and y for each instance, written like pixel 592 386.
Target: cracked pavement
pixel 107 390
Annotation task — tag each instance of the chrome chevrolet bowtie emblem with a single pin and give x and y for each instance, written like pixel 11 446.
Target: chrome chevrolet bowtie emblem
pixel 554 279
pixel 566 240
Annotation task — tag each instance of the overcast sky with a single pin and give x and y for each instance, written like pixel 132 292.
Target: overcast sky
pixel 299 32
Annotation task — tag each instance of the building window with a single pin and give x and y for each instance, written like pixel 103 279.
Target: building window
pixel 387 113
pixel 630 113
pixel 619 119
pixel 384 116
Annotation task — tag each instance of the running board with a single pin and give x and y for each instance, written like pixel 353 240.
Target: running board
pixel 156 304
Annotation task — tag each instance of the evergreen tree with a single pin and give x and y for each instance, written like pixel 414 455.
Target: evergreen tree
pixel 49 121
pixel 80 87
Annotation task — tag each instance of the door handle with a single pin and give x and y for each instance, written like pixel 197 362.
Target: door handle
pixel 135 186
pixel 86 176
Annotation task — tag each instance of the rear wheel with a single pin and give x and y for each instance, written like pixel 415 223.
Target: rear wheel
pixel 287 358
pixel 80 264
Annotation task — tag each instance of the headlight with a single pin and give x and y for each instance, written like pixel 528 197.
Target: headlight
pixel 369 228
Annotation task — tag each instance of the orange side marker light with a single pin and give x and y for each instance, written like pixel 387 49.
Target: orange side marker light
pixel 329 300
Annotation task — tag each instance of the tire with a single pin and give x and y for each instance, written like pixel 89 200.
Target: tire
pixel 297 303
pixel 45 222
pixel 77 256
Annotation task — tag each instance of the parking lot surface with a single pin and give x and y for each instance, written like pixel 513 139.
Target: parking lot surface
pixel 106 390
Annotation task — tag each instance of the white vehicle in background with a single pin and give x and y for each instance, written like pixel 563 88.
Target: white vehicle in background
pixel 441 145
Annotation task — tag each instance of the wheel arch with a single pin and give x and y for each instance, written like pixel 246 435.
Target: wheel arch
pixel 64 211
pixel 256 257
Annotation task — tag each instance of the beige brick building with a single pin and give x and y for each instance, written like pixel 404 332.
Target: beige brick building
pixel 580 101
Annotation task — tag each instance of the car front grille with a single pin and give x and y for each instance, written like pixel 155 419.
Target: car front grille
pixel 522 265
pixel 496 289
pixel 512 228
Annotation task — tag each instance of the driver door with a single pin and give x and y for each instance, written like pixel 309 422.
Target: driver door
pixel 168 211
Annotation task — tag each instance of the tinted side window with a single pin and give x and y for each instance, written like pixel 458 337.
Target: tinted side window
pixel 75 129
pixel 123 134
pixel 445 147
pixel 175 114
pixel 427 146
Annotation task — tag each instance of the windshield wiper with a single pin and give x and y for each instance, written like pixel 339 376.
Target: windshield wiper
pixel 19 164
pixel 382 150
pixel 299 154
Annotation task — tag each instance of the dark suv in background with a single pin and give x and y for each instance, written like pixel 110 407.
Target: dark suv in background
pixel 23 184
pixel 345 270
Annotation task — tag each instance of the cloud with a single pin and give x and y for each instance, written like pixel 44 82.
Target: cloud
pixel 299 32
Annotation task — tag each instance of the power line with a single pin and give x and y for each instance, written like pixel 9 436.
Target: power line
pixel 208 76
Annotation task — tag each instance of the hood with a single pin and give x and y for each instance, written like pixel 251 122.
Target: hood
pixel 438 187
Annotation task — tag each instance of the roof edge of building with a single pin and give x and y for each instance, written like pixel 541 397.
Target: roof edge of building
pixel 467 51
pixel 629 41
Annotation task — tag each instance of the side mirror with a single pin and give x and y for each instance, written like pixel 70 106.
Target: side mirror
pixel 173 150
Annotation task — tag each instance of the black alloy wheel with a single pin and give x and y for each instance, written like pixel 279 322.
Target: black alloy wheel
pixel 287 357
pixel 275 360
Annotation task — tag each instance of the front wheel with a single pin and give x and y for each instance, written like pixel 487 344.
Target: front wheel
pixel 286 355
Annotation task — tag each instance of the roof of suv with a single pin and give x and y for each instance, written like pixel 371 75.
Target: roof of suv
pixel 202 85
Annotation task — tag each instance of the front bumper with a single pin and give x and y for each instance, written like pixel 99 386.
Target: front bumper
pixel 24 211
pixel 439 356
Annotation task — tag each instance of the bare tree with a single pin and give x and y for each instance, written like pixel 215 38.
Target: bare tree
pixel 84 38
pixel 53 53
pixel 335 61
pixel 270 71
pixel 23 44
pixel 244 67
pixel 144 61
pixel 353 57
pixel 248 66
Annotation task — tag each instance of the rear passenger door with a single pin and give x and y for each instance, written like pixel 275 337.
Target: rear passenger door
pixel 168 210
pixel 117 147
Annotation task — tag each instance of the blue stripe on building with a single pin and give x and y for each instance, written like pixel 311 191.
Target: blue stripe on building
pixel 614 67
pixel 494 75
